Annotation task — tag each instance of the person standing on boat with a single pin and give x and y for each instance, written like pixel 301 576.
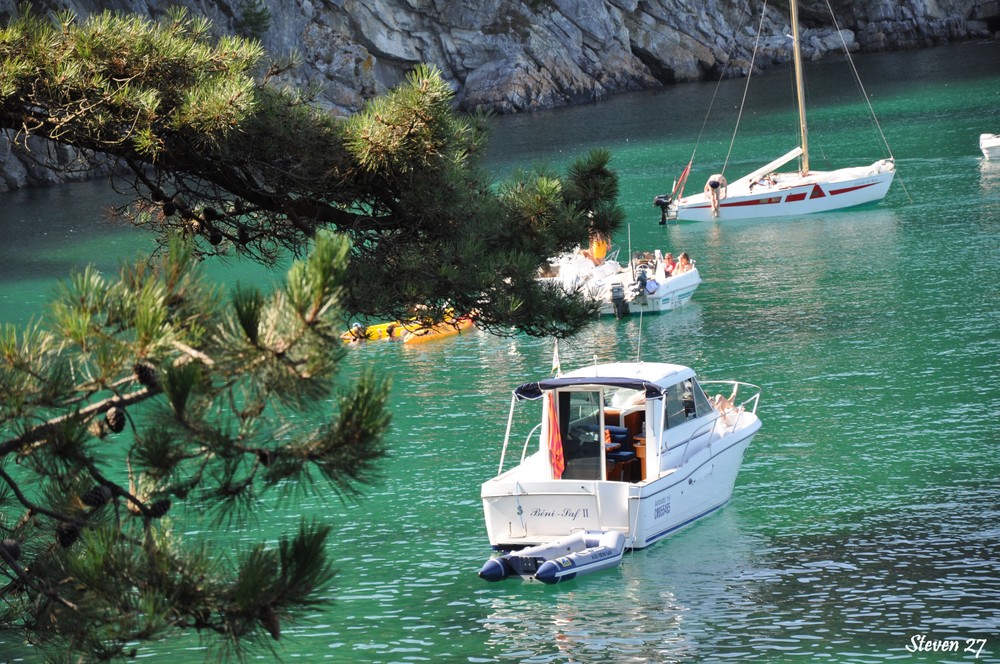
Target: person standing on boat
pixel 715 190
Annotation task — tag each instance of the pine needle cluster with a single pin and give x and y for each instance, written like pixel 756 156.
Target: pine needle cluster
pixel 146 392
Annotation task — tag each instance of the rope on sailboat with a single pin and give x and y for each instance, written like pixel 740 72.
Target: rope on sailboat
pixel 679 185
pixel 864 93
pixel 857 80
pixel 746 87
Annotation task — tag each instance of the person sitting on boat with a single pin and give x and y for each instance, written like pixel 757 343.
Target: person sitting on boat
pixel 715 190
pixel 669 263
pixel 721 403
pixel 683 264
pixel 766 181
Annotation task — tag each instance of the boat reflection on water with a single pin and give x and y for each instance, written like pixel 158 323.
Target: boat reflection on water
pixel 663 604
pixel 989 179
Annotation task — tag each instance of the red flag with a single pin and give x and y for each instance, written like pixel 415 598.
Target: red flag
pixel 679 185
pixel 555 439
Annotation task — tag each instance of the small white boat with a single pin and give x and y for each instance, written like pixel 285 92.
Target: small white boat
pixel 639 287
pixel 644 287
pixel 990 145
pixel 636 449
pixel 560 560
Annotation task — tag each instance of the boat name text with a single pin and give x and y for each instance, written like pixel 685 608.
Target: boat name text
pixel 567 513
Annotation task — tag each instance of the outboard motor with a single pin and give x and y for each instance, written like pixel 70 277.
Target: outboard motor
pixel 663 202
pixel 618 301
pixel 640 287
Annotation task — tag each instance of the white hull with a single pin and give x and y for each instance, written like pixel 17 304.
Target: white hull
pixel 990 145
pixel 672 293
pixel 611 281
pixel 522 512
pixel 792 194
pixel 687 466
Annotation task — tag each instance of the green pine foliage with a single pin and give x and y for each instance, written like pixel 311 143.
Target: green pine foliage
pixel 217 150
pixel 143 393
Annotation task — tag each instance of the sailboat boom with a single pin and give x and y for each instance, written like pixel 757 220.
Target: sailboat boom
pixel 767 168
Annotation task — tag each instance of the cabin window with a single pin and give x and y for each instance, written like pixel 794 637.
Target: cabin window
pixel 701 402
pixel 583 447
pixel 686 401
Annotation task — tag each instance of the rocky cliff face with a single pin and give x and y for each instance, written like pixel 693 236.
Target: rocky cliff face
pixel 522 55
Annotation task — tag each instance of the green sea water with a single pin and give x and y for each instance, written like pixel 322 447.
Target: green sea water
pixel 865 523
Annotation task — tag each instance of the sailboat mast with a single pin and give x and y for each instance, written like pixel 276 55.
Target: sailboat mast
pixel 799 85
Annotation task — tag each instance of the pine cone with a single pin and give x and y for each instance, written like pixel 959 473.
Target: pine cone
pixel 67 533
pixel 12 547
pixel 115 417
pixel 96 496
pixel 159 508
pixel 145 373
pixel 215 236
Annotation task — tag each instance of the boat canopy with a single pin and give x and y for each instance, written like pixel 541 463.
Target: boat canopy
pixel 534 390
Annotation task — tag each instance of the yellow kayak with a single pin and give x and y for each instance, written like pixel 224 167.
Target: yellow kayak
pixel 381 331
pixel 418 335
pixel 408 333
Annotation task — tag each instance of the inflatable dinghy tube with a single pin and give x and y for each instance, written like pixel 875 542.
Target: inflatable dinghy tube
pixel 560 560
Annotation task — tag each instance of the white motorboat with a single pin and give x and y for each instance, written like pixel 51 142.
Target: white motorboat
pixel 768 193
pixel 642 286
pixel 636 448
pixel 990 145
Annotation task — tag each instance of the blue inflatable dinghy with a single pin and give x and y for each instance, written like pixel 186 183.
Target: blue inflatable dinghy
pixel 582 552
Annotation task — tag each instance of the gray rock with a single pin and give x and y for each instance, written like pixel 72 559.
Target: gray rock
pixel 511 56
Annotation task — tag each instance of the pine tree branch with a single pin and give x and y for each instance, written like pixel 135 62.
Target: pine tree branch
pixel 40 432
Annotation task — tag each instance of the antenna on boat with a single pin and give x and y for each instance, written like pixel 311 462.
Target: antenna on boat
pixel 631 263
pixel 638 346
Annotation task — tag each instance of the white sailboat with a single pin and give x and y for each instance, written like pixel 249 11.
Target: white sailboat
pixel 768 193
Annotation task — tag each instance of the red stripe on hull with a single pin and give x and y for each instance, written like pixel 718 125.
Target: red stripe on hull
pixel 834 192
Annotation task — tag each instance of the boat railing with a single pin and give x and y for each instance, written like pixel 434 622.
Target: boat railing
pixel 749 403
pixel 733 403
